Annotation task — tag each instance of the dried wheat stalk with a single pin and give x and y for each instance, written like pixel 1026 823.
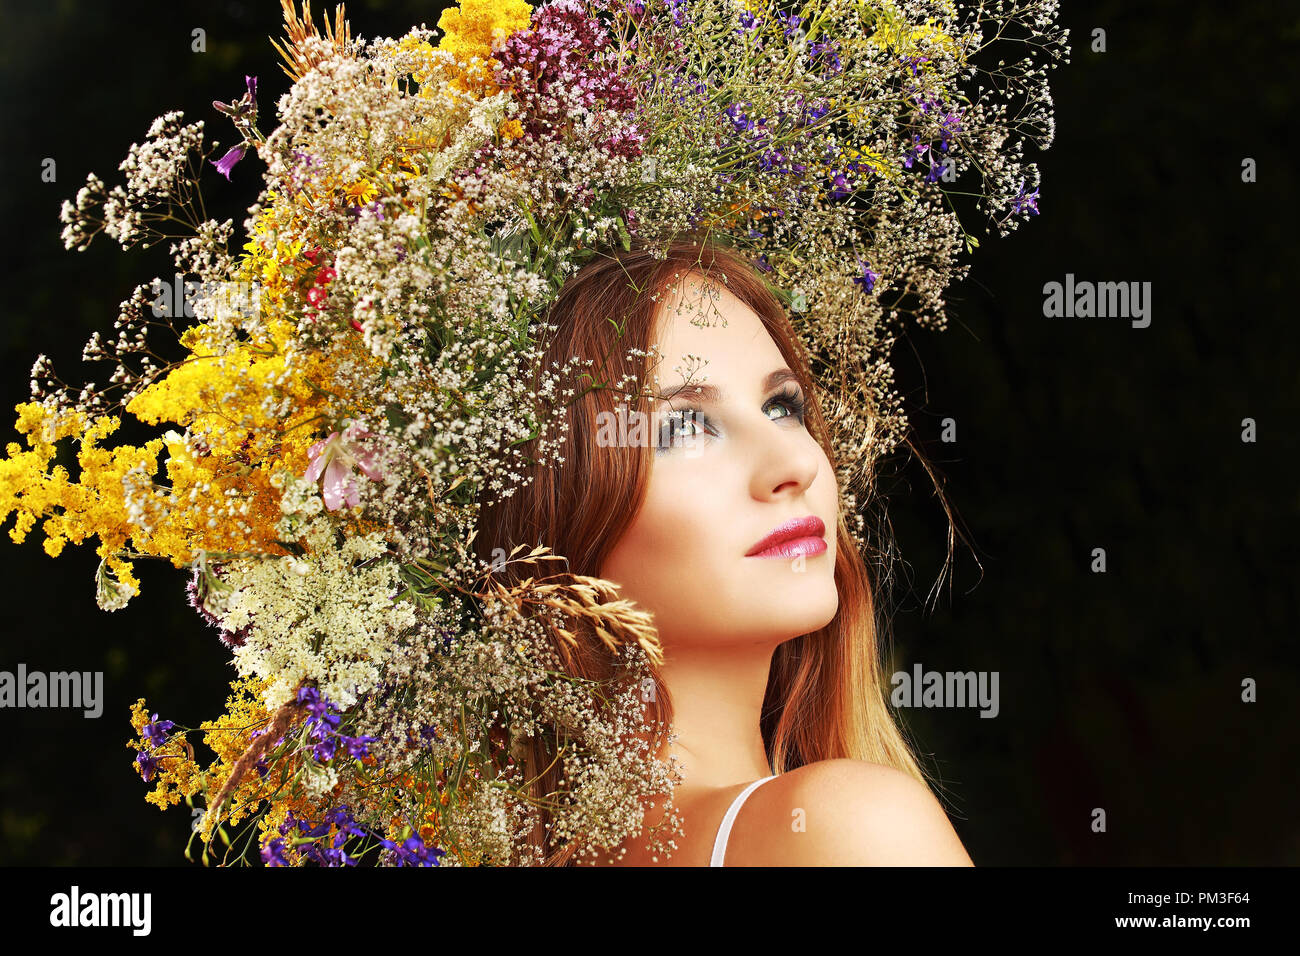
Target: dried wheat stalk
pixel 300 61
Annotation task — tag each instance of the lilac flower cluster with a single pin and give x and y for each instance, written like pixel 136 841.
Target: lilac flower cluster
pixel 949 126
pixel 273 850
pixel 679 12
pixel 322 726
pixel 410 852
pixel 556 70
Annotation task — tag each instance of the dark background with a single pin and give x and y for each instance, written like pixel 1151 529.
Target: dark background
pixel 1119 690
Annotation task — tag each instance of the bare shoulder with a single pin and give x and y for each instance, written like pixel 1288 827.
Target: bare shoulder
pixel 849 813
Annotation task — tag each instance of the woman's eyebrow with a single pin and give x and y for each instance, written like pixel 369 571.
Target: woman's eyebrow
pixel 712 395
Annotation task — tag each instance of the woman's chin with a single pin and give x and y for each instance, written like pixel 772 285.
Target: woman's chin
pixel 798 611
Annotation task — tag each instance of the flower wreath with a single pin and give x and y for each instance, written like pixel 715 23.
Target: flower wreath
pixel 353 378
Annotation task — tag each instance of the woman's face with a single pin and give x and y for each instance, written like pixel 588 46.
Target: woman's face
pixel 726 473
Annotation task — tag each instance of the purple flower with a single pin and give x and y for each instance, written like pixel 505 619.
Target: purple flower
pixel 1027 203
pixel 771 160
pixel 738 118
pixel 288 824
pixel 915 152
pixel 313 831
pixel 324 751
pixel 417 851
pixel 376 209
pixel 324 719
pixel 868 278
pixel 243 112
pixel 357 745
pixel 829 50
pixel 148 764
pixel 316 704
pixel 950 124
pixel 273 853
pixel 335 457
pixel 413 852
pixel 156 732
pixel 226 163
pixel 323 724
pixel 328 856
pixel 936 172
pixel 925 105
pixel 341 817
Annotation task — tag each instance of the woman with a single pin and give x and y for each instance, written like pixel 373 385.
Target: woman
pixel 771 667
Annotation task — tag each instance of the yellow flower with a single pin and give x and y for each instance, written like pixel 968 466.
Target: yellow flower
pixel 176 774
pixel 510 129
pixel 870 159
pixel 362 192
pixel 478 27
pixel 895 32
pixel 93 505
pixel 475 29
pixel 219 497
pixel 269 261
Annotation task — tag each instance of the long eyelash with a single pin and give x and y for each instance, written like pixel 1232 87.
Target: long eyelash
pixel 789 395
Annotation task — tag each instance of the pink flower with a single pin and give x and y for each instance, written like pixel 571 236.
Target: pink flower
pixel 335 457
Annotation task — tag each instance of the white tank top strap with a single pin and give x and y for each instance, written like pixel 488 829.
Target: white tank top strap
pixel 724 830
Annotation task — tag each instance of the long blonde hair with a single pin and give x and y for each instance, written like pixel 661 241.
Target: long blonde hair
pixel 825 695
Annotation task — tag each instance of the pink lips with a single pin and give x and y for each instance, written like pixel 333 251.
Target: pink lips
pixel 792 539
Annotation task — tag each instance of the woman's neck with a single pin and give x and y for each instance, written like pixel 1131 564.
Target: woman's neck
pixel 717 698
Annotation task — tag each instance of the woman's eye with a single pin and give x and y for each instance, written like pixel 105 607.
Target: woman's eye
pixel 792 403
pixel 679 425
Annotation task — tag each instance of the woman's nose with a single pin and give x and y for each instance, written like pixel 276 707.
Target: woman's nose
pixel 786 462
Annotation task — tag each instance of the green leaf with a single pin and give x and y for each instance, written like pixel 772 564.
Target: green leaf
pixel 537 233
pixel 623 235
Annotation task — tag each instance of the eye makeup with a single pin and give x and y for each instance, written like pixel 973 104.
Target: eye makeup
pixel 673 423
